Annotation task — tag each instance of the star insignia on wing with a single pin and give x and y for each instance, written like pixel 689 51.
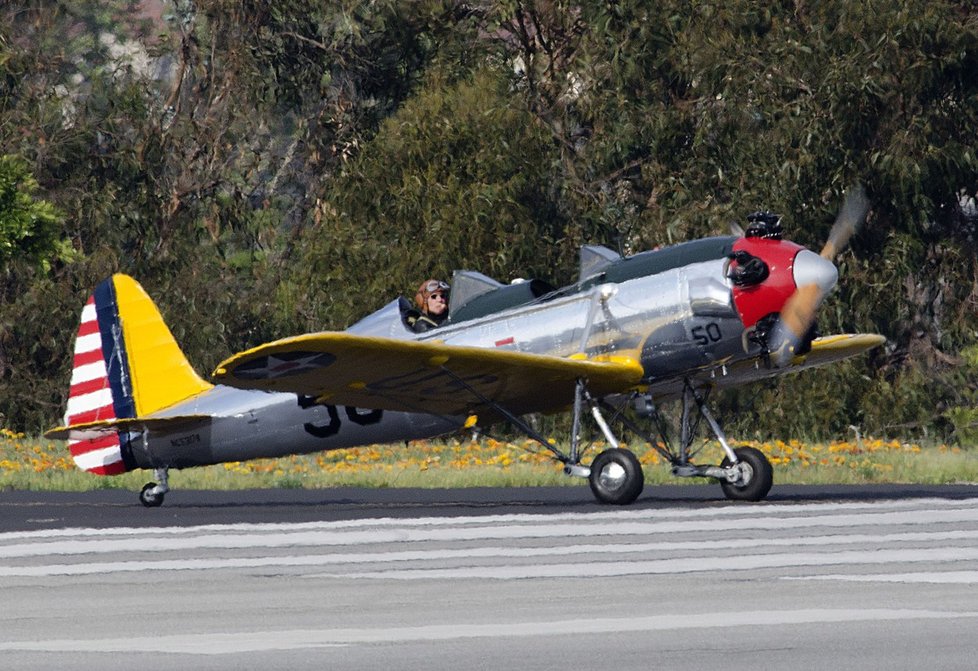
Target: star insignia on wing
pixel 283 365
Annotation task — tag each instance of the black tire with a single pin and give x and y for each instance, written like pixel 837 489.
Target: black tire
pixel 616 477
pixel 759 476
pixel 150 500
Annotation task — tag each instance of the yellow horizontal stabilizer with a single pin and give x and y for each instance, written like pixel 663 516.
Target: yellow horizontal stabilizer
pixel 431 377
pixel 92 430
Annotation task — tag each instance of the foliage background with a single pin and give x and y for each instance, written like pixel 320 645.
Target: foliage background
pixel 270 168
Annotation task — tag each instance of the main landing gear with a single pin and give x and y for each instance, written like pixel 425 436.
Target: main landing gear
pixel 745 474
pixel 615 475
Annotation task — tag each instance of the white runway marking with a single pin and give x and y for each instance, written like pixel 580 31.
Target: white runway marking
pixel 263 641
pixel 617 568
pixel 689 564
pixel 675 565
pixel 932 577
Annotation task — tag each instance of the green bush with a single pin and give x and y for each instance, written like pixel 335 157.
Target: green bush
pixel 299 164
pixel 964 417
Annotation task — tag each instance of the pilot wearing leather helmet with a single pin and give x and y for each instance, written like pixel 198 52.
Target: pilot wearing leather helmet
pixel 432 303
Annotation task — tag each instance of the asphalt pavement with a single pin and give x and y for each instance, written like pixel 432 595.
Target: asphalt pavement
pixel 882 577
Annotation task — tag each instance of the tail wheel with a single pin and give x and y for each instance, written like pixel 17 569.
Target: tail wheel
pixel 755 476
pixel 148 498
pixel 616 477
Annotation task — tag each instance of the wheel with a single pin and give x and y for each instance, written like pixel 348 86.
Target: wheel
pixel 148 499
pixel 616 477
pixel 756 476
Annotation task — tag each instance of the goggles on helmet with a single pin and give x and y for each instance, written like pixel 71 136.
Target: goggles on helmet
pixel 435 285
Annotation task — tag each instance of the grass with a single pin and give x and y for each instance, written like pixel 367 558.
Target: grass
pixel 38 464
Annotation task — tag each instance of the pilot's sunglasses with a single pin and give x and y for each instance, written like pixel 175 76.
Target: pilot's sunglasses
pixel 441 296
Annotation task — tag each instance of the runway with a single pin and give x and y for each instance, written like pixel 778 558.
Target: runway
pixel 816 578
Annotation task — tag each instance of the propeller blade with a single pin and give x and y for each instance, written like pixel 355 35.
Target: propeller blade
pixel 799 312
pixel 850 218
pixel 814 278
pixel 797 316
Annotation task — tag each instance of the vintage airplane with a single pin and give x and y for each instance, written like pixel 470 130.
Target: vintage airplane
pixel 633 331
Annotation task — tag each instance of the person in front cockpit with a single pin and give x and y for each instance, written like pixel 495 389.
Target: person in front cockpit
pixel 432 303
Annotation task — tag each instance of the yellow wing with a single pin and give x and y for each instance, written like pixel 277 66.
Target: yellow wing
pixel 825 350
pixel 730 374
pixel 829 349
pixel 373 372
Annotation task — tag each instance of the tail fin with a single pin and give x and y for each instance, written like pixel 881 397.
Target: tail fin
pixel 126 365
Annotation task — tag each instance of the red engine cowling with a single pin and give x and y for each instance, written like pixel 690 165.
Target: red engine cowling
pixel 755 301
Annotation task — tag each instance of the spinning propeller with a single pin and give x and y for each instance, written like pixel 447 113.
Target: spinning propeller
pixel 815 275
